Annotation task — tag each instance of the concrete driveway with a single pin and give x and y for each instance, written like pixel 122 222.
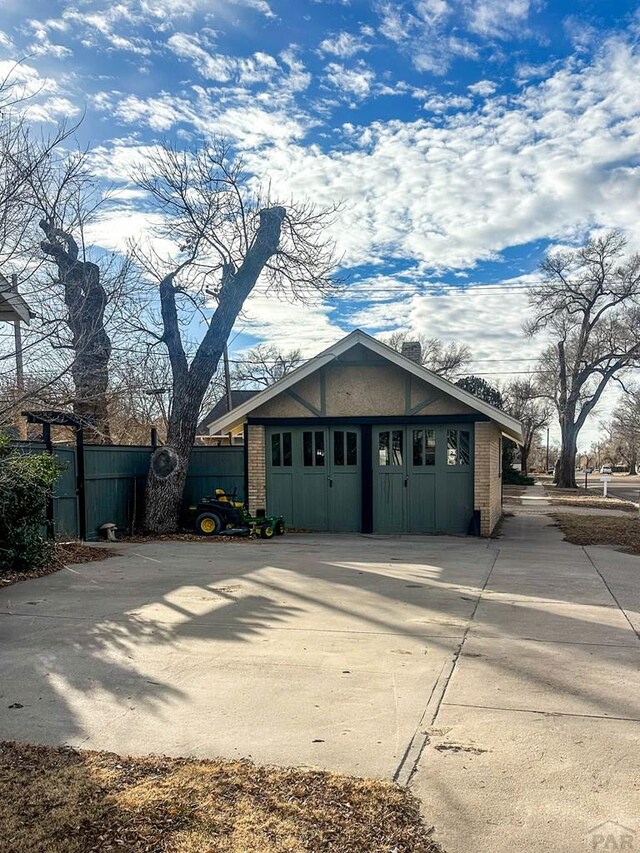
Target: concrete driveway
pixel 309 650
pixel 499 678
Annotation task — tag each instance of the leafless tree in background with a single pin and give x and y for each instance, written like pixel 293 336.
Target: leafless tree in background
pixel 263 365
pixel 525 401
pixel 447 360
pixel 589 301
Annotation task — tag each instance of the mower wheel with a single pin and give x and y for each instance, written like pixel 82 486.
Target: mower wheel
pixel 267 531
pixel 208 524
pixel 280 528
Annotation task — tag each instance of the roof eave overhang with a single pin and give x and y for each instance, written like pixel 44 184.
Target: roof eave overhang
pixel 12 306
pixel 508 426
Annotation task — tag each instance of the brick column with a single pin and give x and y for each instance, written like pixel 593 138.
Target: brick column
pixel 256 462
pixel 486 476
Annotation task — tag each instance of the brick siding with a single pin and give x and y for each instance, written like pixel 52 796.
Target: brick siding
pixel 487 476
pixel 256 462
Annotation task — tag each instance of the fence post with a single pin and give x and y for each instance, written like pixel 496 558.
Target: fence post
pixel 46 437
pixel 82 503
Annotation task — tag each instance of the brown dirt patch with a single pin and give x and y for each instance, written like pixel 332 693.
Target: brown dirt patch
pixel 59 800
pixel 613 530
pixel 65 553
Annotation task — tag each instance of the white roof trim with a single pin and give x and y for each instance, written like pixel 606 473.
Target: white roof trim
pixel 12 305
pixel 509 426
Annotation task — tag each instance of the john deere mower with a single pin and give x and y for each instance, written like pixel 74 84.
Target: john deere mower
pixel 223 515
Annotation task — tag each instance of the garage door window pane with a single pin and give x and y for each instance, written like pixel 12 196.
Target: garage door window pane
pixel 452 447
pixel 276 458
pixel 383 448
pixel 418 448
pixel 307 449
pixel 319 454
pixel 352 448
pixel 286 449
pixel 338 447
pixel 463 454
pixel 430 447
pixel 458 447
pixel 397 447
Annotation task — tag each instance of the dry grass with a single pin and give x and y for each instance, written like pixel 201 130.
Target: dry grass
pixel 65 553
pixel 586 498
pixel 613 530
pixel 64 801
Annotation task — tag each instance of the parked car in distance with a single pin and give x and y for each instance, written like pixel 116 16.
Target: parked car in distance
pixel 606 469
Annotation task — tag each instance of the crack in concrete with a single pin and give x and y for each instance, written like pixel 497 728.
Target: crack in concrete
pixel 542 713
pixel 610 591
pixel 420 739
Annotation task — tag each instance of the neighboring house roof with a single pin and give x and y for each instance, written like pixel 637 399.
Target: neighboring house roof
pixel 238 397
pixel 12 305
pixel 508 425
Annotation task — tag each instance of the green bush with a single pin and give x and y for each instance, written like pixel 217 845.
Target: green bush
pixel 26 480
pixel 511 477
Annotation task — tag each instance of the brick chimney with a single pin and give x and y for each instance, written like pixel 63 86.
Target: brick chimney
pixel 412 350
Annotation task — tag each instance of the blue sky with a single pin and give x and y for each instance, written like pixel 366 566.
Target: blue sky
pixel 462 137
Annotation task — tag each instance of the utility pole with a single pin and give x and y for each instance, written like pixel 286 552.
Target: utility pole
pixel 547 465
pixel 17 336
pixel 227 385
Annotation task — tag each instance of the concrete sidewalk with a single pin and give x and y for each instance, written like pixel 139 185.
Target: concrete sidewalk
pixel 534 743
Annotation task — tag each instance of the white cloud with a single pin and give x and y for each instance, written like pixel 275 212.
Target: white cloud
pixel 498 18
pixel 356 81
pixel 546 163
pixel 344 45
pixel 446 103
pixel 259 68
pixel 309 328
pixel 484 88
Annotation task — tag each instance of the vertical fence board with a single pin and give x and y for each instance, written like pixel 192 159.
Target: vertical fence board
pixel 114 483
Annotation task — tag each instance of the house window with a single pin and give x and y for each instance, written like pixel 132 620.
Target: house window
pixel 424 447
pixel 281 455
pixel 345 448
pixel 458 447
pixel 313 449
pixel 390 447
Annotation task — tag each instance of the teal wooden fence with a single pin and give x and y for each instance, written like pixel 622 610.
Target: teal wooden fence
pixel 114 479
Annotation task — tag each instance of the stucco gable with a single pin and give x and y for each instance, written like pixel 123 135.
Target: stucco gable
pixel 360 376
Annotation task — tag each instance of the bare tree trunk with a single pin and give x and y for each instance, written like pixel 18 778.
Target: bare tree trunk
pixel 164 490
pixel 166 479
pixel 86 300
pixel 524 460
pixel 633 463
pixel 566 467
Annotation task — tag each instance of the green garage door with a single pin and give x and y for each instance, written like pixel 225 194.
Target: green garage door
pixel 313 477
pixel 422 478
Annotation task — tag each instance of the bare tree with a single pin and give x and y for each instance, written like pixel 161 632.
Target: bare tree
pixel 263 365
pixel 589 301
pixel 86 300
pixel 45 189
pixel 23 151
pixel 226 240
pixel 446 360
pixel 624 431
pixel 525 401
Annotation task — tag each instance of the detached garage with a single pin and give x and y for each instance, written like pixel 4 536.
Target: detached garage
pixel 364 439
